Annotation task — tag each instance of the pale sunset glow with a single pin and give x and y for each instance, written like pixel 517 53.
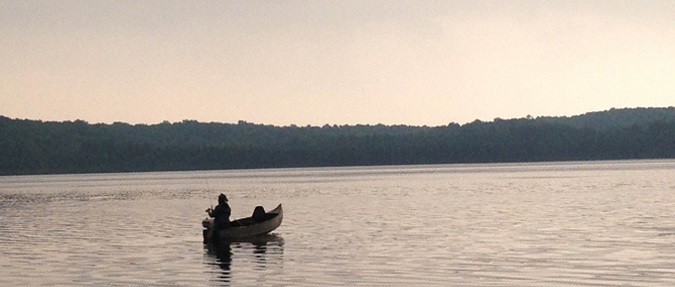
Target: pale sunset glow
pixel 332 62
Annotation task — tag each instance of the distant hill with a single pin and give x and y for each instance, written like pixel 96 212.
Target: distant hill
pixel 37 147
pixel 616 118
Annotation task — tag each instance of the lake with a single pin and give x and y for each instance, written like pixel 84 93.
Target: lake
pixel 602 223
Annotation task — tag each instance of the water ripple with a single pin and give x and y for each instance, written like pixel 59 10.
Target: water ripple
pixel 521 225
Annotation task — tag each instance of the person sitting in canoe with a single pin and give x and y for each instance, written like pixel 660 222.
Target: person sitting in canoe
pixel 221 214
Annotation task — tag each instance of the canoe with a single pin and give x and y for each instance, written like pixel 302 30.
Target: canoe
pixel 258 224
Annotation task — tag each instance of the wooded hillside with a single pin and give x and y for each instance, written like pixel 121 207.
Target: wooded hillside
pixel 36 147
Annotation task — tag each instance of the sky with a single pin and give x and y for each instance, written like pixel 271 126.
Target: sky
pixel 332 62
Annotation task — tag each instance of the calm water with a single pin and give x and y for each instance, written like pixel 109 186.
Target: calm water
pixel 597 223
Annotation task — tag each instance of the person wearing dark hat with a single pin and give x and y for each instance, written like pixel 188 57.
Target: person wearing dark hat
pixel 221 214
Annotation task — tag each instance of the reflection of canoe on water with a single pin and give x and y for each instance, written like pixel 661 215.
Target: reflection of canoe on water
pixel 260 223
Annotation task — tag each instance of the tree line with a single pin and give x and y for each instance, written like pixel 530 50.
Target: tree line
pixel 37 147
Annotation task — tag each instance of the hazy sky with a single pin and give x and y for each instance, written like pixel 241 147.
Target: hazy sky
pixel 332 62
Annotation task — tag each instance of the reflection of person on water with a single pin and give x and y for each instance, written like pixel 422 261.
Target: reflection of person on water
pixel 221 214
pixel 223 256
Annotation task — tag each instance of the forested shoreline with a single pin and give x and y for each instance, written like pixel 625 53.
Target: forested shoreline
pixel 37 147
